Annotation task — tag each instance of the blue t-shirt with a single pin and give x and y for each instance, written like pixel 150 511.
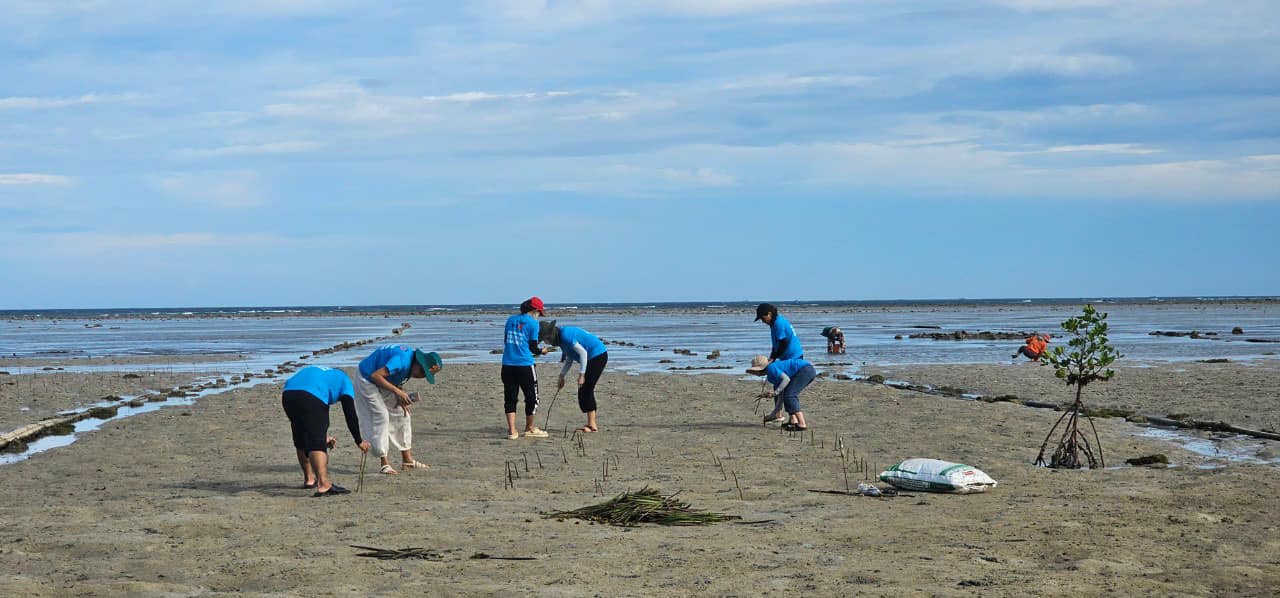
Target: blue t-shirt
pixel 572 334
pixel 396 358
pixel 781 329
pixel 327 384
pixel 789 367
pixel 520 330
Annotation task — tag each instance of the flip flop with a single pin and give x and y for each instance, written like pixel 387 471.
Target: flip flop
pixel 310 486
pixel 790 427
pixel 536 433
pixel 334 490
pixel 587 429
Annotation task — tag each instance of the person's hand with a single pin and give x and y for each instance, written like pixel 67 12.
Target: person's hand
pixel 364 446
pixel 582 379
pixel 768 394
pixel 546 350
pixel 560 383
pixel 330 442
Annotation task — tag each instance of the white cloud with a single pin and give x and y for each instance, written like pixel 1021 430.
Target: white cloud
pixel 1104 148
pixel 572 13
pixel 229 190
pixel 98 242
pixel 33 103
pixel 279 147
pixel 1071 65
pixel 797 82
pixel 34 178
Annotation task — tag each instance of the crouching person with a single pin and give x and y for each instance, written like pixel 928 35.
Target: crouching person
pixel 789 378
pixel 306 399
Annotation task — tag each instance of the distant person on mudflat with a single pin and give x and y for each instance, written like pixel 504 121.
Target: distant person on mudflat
pixel 789 378
pixel 519 354
pixel 585 349
pixel 384 405
pixel 306 399
pixel 835 339
pixel 1034 347
pixel 782 337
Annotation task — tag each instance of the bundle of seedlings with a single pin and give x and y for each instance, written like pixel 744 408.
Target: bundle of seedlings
pixel 644 506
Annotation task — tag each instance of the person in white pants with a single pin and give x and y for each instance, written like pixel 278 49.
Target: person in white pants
pixel 383 405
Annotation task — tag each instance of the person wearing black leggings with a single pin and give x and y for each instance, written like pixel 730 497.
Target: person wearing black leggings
pixel 583 348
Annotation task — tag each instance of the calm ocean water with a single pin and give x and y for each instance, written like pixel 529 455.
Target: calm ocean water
pixel 269 336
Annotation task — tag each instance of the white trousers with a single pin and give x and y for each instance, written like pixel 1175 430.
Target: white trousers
pixel 382 422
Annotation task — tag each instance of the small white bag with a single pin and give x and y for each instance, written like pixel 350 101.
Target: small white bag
pixel 934 475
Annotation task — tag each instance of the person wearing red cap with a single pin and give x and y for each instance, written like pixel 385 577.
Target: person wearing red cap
pixel 519 351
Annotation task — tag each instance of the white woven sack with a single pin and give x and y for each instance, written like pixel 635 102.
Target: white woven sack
pixel 935 475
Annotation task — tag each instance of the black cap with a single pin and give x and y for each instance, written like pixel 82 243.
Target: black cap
pixel 765 308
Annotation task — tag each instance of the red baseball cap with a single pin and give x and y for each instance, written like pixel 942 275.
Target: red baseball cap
pixel 536 303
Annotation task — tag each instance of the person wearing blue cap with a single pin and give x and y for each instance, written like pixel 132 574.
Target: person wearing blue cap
pixel 306 399
pixel 383 404
pixel 782 337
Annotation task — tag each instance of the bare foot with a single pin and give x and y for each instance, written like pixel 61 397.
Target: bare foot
pixel 588 429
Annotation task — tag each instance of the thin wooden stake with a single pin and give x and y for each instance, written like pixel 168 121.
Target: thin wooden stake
pixel 735 483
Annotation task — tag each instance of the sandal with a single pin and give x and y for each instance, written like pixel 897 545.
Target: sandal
pixel 414 465
pixel 790 427
pixel 536 433
pixel 388 470
pixel 587 429
pixel 773 419
pixel 306 486
pixel 333 490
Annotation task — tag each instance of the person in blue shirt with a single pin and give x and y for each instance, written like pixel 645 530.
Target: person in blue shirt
pixel 585 349
pixel 789 377
pixel 306 399
pixel 783 340
pixel 519 351
pixel 383 404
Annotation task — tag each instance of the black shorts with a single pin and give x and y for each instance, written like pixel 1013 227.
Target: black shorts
pixel 309 419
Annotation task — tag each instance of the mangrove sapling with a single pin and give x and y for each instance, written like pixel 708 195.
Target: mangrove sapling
pixel 1087 358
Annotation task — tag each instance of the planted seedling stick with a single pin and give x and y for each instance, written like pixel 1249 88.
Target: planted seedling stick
pixel 547 422
pixel 360 482
pixel 564 455
pixel 536 454
pixel 735 483
pixel 525 456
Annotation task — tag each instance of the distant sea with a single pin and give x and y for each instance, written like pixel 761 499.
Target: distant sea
pixel 266 336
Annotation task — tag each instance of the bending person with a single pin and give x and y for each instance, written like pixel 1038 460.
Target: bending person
pixel 1034 347
pixel 306 399
pixel 583 348
pixel 789 378
pixel 384 405
pixel 519 351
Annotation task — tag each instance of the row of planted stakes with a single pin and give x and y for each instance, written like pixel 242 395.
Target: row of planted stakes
pixel 63 424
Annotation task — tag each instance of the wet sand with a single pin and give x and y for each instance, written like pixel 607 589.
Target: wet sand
pixel 203 499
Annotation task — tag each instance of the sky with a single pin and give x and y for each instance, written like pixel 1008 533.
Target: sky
pixel 333 152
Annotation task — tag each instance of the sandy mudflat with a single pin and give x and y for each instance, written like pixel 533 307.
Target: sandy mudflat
pixel 202 500
pixel 28 398
pixel 1246 394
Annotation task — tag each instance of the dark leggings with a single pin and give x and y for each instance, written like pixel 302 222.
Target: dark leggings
pixel 517 378
pixel 1025 350
pixel 308 419
pixel 587 392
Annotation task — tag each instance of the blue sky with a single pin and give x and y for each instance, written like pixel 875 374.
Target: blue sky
pixel 332 152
